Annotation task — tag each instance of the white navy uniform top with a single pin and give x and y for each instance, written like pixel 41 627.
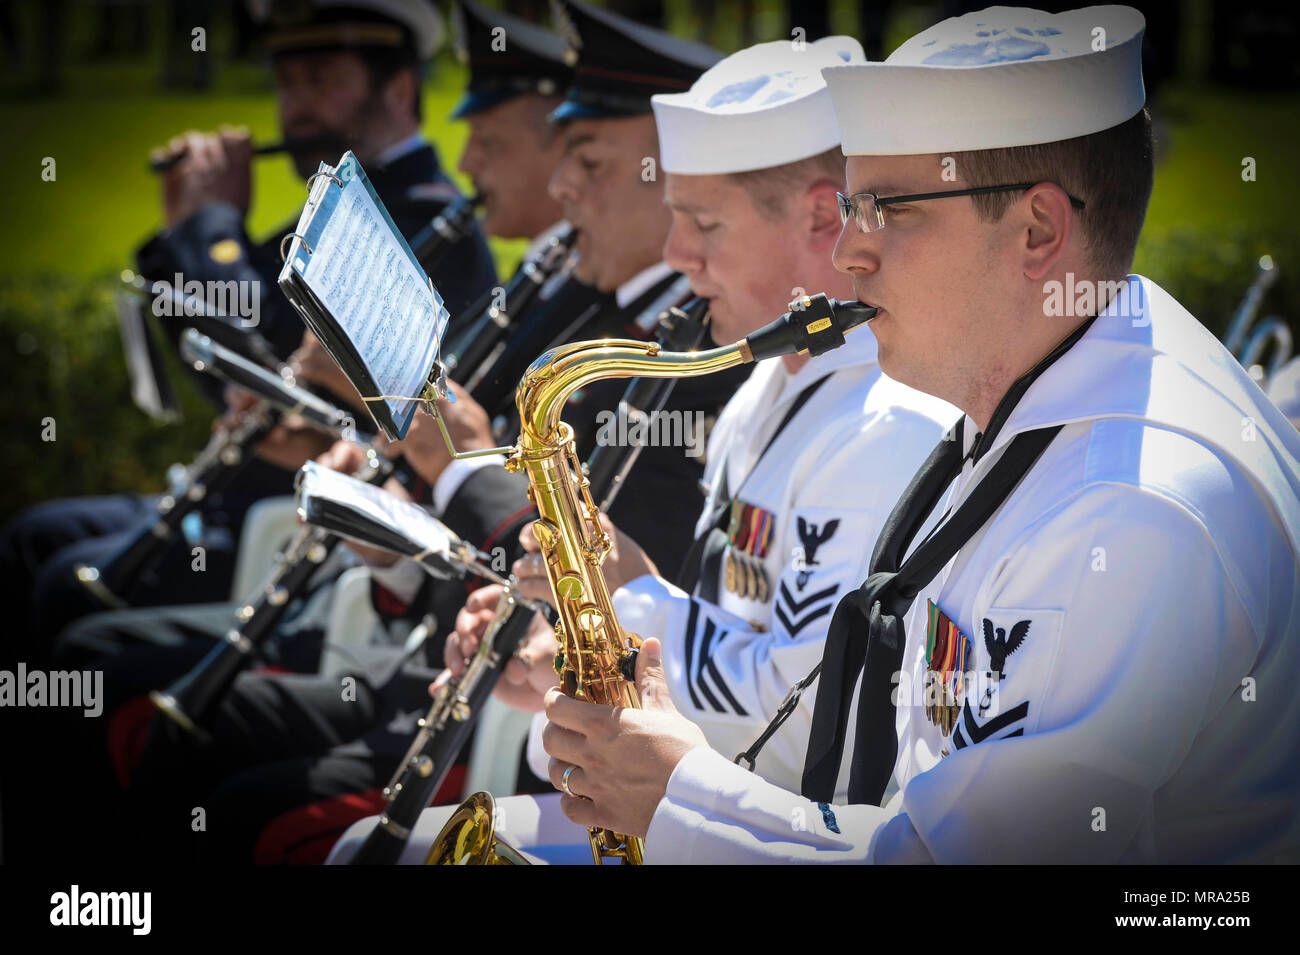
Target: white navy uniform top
pixel 829 480
pixel 1140 590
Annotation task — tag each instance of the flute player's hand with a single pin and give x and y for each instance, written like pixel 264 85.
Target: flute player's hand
pixel 214 168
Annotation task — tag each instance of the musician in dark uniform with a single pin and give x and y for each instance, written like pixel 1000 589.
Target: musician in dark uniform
pixel 488 511
pixel 286 741
pixel 354 71
pixel 351 76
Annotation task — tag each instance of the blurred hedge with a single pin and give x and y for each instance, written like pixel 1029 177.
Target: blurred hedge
pixel 62 358
pixel 1209 271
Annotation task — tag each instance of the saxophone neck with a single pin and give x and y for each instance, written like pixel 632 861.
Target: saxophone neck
pixel 815 324
pixel 554 377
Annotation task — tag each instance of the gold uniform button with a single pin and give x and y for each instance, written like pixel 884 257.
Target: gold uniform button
pixel 225 252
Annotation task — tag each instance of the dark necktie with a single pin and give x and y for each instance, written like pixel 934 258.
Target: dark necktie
pixel 866 634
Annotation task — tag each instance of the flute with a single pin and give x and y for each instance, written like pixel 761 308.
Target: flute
pixel 161 162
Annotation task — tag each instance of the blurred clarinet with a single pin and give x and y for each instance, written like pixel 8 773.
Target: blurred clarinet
pixel 498 383
pixel 190 701
pixel 196 312
pixel 216 466
pixel 1248 340
pixel 459 702
pixel 445 230
pixel 473 351
pixel 224 456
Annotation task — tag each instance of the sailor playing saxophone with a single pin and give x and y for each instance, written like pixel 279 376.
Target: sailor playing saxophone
pixel 751 189
pixel 1093 657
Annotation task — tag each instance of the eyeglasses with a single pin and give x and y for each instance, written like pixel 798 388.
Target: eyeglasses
pixel 865 206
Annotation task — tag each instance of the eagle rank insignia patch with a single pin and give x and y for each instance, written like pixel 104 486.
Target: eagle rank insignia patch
pixel 225 251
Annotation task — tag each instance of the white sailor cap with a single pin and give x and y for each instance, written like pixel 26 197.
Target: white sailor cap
pixel 1001 77
pixel 764 106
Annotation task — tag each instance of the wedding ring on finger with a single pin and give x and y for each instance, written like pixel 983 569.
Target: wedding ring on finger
pixel 564 782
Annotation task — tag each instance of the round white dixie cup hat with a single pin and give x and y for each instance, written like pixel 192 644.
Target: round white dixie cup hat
pixel 997 78
pixel 763 106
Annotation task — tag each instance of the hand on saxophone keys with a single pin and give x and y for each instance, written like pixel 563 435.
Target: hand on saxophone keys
pixel 618 760
pixel 625 562
pixel 526 676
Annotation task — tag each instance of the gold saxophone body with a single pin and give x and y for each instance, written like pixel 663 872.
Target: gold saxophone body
pixel 596 660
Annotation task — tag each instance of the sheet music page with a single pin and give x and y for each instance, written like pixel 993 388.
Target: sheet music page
pixel 363 272
pixel 374 504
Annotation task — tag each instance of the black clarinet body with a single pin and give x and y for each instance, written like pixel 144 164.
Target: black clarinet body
pixel 441 736
pixel 448 227
pixel 218 463
pixel 190 701
pixel 459 702
pixel 474 350
pixel 215 467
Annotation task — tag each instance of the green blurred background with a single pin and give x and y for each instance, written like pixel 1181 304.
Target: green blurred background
pixel 64 242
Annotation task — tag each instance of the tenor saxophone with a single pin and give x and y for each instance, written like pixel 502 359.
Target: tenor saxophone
pixel 597 657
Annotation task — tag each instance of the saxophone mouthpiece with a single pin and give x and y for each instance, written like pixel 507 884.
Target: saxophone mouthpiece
pixel 814 324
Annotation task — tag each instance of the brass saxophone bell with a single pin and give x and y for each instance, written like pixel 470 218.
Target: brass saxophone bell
pixel 469 837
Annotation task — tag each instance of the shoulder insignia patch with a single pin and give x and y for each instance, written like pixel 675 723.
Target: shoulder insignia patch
pixel 225 252
pixel 795 614
pixel 1000 646
pixel 812 536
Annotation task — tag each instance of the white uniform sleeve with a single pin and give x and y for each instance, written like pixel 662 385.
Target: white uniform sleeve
pixel 538 759
pixel 1098 704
